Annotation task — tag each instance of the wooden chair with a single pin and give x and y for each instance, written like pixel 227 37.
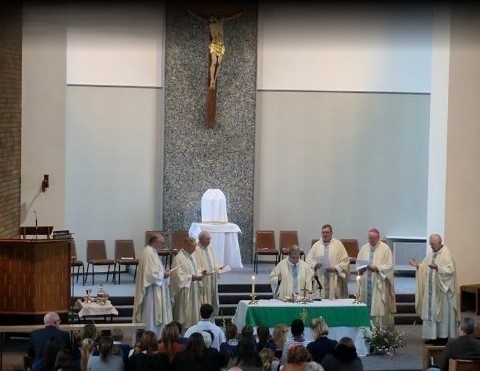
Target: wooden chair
pixel 97 255
pixel 124 255
pixel 264 245
pixel 74 262
pixel 431 352
pixel 464 364
pixel 287 240
pixel 164 253
pixel 314 241
pixel 351 245
pixel 177 240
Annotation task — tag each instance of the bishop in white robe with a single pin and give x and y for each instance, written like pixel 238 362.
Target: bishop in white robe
pixel 186 285
pixel 152 296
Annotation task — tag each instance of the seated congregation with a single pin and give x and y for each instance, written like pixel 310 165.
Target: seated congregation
pixel 203 346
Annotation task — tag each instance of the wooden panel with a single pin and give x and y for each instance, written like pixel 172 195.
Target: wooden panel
pixel 34 276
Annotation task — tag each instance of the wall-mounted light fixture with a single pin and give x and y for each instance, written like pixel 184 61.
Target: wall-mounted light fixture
pixel 45 183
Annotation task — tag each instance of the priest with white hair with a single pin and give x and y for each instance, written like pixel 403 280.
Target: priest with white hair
pixel 375 280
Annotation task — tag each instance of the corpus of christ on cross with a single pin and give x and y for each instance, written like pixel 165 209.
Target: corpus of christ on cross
pixel 216 50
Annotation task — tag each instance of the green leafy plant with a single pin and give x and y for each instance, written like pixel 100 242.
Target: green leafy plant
pixel 384 340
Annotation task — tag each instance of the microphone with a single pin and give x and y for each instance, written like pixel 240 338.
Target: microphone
pixel 36 220
pixel 318 282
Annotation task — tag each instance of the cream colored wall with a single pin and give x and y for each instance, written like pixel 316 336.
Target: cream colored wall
pixel 43 116
pixel 462 212
pixel 102 146
pixel 343 119
pixel 348 159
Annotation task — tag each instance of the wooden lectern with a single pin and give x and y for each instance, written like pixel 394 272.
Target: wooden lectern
pixel 34 276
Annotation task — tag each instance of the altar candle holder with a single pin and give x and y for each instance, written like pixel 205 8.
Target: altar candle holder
pixel 252 295
pixel 357 294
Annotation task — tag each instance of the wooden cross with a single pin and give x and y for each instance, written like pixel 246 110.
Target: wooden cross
pixel 216 51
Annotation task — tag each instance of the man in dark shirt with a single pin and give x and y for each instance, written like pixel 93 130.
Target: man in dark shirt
pixel 465 346
pixel 39 338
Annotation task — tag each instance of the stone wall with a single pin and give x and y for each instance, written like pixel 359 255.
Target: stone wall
pixel 198 157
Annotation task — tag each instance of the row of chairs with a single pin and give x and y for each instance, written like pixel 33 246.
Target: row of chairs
pixel 264 243
pixel 124 254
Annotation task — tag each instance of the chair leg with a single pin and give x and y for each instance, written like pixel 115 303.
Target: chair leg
pixel 119 273
pixel 114 276
pixel 78 272
pixel 255 263
pixel 108 271
pixel 85 277
pixel 135 274
pixel 93 275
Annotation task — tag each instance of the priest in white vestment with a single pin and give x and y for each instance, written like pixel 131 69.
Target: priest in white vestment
pixel 206 258
pixel 376 282
pixel 152 296
pixel 186 285
pixel 334 276
pixel 435 298
pixel 291 275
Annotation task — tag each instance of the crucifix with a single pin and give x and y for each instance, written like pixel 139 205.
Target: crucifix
pixel 216 50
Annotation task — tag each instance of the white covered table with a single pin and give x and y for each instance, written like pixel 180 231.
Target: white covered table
pixel 224 241
pixel 95 309
pixel 342 317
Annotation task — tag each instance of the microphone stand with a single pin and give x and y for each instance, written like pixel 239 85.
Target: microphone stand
pixel 36 225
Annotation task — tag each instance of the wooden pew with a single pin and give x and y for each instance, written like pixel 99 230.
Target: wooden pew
pixel 429 352
pixel 464 364
pixel 71 328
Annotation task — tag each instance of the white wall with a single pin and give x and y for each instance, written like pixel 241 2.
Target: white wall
pixel 319 47
pixel 119 46
pixel 43 115
pixel 102 146
pixel 114 122
pixel 343 120
pixel 352 160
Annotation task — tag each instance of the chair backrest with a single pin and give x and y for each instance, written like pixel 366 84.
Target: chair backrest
pixel 351 245
pixel 265 240
pixel 124 249
pixel 96 249
pixel 177 239
pixel 288 239
pixel 464 364
pixel 431 352
pixel 314 241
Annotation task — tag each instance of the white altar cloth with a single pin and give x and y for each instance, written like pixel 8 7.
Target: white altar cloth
pixel 224 241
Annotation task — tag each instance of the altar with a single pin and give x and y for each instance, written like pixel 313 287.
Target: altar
pixel 343 317
pixel 224 241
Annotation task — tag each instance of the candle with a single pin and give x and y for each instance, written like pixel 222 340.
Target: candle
pixel 253 285
pixel 358 286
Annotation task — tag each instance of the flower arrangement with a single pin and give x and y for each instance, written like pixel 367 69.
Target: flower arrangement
pixel 384 340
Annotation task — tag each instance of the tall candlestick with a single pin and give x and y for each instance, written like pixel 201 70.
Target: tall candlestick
pixel 358 286
pixel 253 285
